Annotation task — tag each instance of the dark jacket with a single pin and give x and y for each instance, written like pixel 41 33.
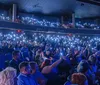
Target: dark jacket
pixel 15 64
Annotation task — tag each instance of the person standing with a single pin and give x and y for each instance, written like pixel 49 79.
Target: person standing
pixel 15 60
pixel 24 78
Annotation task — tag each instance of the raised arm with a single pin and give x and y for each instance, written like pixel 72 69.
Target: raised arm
pixel 56 63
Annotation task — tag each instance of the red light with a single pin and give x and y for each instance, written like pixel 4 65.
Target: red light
pixel 70 35
pixel 19 31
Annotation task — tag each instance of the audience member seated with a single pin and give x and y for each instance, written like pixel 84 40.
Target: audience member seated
pixel 8 76
pixel 37 74
pixel 24 78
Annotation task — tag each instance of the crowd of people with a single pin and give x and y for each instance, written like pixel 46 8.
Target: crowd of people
pixel 28 58
pixel 47 23
pixel 88 25
pixel 83 25
pixel 38 22
pixel 79 24
pixel 4 17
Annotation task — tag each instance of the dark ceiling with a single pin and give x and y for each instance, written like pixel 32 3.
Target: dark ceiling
pixel 62 7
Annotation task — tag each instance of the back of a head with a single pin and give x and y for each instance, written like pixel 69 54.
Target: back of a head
pixel 83 66
pixel 92 60
pixel 11 72
pixel 22 65
pixel 33 65
pixel 78 78
pixel 7 76
pixel 38 52
pixel 45 63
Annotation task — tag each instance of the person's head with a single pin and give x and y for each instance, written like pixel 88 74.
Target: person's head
pixel 34 67
pixel 78 78
pixel 83 66
pixel 47 62
pixel 71 51
pixel 8 76
pixel 25 68
pixel 47 52
pixel 92 60
pixel 97 54
pixel 38 53
pixel 57 50
pixel 16 54
pixel 25 46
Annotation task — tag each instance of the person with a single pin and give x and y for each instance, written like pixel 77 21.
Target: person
pixel 79 78
pixel 48 67
pixel 56 54
pixel 97 55
pixel 47 54
pixel 37 74
pixel 24 78
pixel 93 61
pixel 25 53
pixel 8 76
pixel 84 67
pixel 15 61
pixel 49 70
pixel 38 58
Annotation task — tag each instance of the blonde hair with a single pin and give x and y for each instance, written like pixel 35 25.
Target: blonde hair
pixel 7 76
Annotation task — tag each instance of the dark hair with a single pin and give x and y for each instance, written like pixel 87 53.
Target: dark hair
pixel 23 64
pixel 38 52
pixel 92 59
pixel 45 63
pixel 15 53
pixel 83 66
pixel 32 64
